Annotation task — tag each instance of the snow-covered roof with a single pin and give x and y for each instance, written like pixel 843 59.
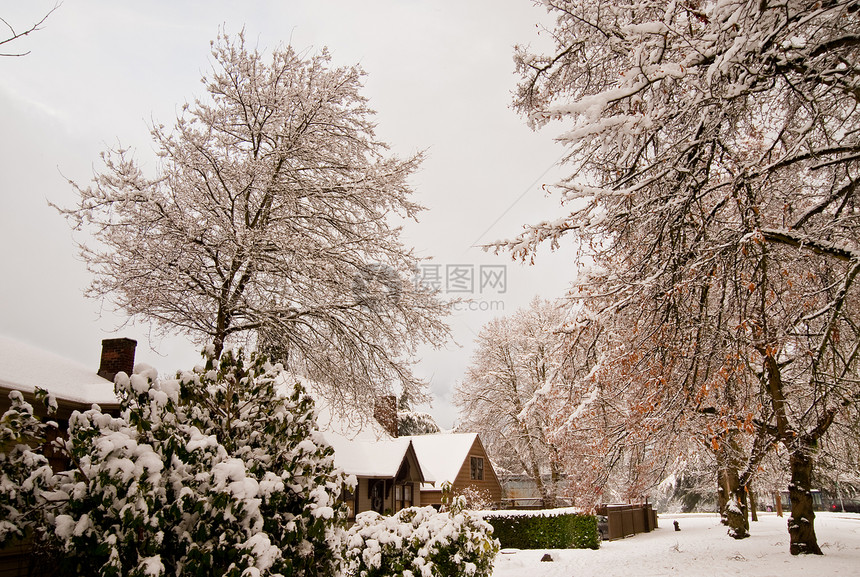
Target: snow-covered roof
pixel 24 367
pixel 366 458
pixel 442 455
pixel 362 446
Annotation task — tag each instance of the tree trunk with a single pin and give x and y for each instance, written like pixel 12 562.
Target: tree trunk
pixel 722 486
pixel 801 523
pixel 722 498
pixel 732 495
pixel 736 513
pixel 753 507
pixel 733 504
pixel 541 486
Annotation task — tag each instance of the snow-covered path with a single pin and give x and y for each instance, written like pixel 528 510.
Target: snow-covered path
pixel 701 548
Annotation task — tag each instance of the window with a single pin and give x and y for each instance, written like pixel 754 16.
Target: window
pixel 351 500
pixel 477 468
pixel 403 496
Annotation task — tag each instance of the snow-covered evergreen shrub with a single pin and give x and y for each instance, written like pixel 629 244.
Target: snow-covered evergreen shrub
pixel 24 470
pixel 416 423
pixel 216 472
pixel 420 541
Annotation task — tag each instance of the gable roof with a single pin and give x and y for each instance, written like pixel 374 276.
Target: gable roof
pixel 365 458
pixel 362 446
pixel 24 367
pixel 442 455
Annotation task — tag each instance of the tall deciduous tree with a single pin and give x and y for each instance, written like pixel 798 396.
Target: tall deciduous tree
pixel 714 151
pixel 502 394
pixel 269 214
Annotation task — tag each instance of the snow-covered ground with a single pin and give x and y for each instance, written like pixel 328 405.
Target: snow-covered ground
pixel 701 548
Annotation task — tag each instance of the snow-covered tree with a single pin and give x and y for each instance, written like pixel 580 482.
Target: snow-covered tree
pixel 502 393
pixel 220 471
pixel 271 214
pixel 416 423
pixel 412 422
pixel 608 423
pixel 713 153
pixel 837 471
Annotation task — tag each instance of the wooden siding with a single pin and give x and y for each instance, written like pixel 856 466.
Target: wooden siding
pixel 490 483
pixel 410 474
pixel 431 498
pixel 13 564
pixel 388 504
pixel 17 560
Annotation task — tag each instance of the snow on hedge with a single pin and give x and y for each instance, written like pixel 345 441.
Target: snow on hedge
pixel 419 541
pixel 533 513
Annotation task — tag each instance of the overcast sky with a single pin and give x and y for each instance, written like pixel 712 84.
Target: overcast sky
pixel 439 75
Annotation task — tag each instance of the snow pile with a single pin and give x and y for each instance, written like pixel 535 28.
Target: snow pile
pixel 420 542
pixel 700 549
pixel 212 473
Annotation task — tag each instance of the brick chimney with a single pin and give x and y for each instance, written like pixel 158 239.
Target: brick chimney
pixel 385 412
pixel 117 355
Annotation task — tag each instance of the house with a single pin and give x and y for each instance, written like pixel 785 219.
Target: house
pixel 75 386
pixel 386 469
pixel 397 472
pixel 456 458
pixel 387 472
pixel 391 473
pixel 521 491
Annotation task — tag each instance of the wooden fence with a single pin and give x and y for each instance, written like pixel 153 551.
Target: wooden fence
pixel 628 520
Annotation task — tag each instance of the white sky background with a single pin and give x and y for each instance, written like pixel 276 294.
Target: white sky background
pixel 439 75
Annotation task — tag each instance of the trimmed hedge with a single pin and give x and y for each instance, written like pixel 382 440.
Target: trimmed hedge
pixel 544 530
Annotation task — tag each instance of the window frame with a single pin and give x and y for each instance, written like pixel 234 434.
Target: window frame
pixel 404 496
pixel 476 468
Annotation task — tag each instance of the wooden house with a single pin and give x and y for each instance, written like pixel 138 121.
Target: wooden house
pixel 397 472
pixel 387 473
pixel 457 458
pixel 75 387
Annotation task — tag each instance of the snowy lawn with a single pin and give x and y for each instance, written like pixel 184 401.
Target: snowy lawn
pixel 701 548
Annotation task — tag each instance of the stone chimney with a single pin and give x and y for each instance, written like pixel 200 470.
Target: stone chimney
pixel 385 412
pixel 117 356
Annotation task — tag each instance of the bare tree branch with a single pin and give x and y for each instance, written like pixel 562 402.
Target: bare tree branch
pixel 15 35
